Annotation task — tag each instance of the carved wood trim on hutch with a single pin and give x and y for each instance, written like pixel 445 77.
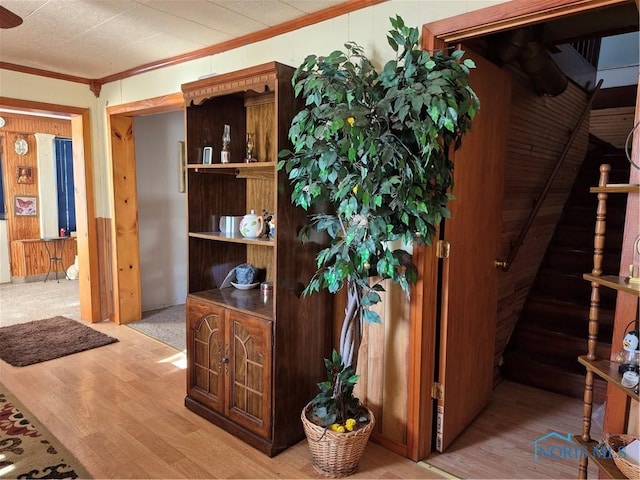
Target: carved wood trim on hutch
pixel 259 79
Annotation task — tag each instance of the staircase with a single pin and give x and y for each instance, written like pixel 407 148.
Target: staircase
pixel 552 328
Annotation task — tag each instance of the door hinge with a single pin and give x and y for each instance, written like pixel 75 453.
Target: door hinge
pixel 442 249
pixel 437 391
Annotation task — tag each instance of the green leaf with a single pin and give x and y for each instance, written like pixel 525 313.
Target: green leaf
pixel 371 316
pixel 393 43
pixel 469 63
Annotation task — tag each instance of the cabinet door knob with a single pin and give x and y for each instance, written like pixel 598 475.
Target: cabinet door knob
pixel 225 359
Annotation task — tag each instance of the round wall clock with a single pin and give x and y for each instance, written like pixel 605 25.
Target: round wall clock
pixel 21 146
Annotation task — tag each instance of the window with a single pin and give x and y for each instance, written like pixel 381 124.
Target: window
pixel 64 182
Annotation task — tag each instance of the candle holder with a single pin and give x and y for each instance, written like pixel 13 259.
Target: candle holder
pixel 251 144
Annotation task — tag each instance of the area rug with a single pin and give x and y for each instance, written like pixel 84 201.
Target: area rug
pixel 28 449
pixel 41 340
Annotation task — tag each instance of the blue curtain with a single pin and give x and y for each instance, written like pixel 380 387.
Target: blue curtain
pixel 64 178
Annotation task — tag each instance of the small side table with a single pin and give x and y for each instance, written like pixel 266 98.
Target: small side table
pixel 54 246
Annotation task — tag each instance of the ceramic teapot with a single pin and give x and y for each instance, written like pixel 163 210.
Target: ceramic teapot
pixel 251 225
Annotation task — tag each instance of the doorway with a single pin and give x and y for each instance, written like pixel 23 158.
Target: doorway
pixel 125 261
pixel 570 19
pixel 89 291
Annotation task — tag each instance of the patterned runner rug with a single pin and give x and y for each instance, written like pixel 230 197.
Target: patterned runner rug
pixel 41 340
pixel 28 449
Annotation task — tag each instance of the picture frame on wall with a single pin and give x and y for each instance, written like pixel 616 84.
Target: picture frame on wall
pixel 24 174
pixel 25 205
pixel 207 155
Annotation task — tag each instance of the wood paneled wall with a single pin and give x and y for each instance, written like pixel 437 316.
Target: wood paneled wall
pixel 612 124
pixel 539 128
pixel 32 258
pixel 383 360
pixel 16 127
pixel 29 124
pixel 105 262
pixel 19 227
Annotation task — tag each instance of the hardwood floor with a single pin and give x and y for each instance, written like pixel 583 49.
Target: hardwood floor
pixel 500 442
pixel 120 410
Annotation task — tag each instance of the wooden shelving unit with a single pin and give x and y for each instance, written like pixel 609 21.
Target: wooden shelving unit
pixel 253 358
pixel 603 368
pixel 608 371
pixel 607 465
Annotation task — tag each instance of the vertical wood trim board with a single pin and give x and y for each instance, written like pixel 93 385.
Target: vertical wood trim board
pixel 126 264
pixel 105 261
pixel 88 287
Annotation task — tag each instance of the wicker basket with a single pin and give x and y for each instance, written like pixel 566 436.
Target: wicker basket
pixel 335 454
pixel 614 443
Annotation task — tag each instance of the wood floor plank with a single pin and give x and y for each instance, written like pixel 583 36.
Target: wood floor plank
pixel 120 410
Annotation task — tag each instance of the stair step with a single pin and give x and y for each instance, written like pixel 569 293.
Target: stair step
pixel 570 287
pixel 528 370
pixel 590 171
pixel 582 215
pixel 560 347
pixel 572 236
pixel 578 261
pixel 552 328
pixel 582 197
pixel 565 317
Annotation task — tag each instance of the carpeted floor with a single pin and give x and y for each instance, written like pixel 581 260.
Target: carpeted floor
pixel 165 324
pixel 29 450
pixel 25 302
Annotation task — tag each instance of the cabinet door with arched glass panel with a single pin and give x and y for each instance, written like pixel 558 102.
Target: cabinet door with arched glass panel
pixel 249 379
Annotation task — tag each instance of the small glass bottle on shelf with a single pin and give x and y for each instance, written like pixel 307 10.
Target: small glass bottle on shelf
pixel 251 143
pixel 225 153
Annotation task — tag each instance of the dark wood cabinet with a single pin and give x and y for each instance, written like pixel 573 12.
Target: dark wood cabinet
pixel 253 359
pixel 231 366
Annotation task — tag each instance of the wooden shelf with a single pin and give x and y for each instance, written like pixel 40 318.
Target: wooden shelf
pixel 252 302
pixel 614 282
pixel 225 237
pixel 232 167
pixel 605 464
pixel 616 188
pixel 608 371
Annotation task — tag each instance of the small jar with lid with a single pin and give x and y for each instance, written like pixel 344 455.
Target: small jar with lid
pixel 266 289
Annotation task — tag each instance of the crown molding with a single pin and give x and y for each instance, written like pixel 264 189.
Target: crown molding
pixel 95 84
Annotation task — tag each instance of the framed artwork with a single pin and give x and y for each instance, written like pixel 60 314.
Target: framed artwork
pixel 25 206
pixel 207 155
pixel 24 174
pixel 182 168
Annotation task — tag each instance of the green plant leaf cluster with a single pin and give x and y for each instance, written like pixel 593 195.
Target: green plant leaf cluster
pixel 375 145
pixel 336 402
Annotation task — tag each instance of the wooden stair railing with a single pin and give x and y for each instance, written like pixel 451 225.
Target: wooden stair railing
pixel 505 265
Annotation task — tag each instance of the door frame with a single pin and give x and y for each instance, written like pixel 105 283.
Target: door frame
pixel 127 295
pixel 87 241
pixel 422 360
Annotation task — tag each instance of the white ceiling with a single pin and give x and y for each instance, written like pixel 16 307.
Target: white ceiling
pixel 97 38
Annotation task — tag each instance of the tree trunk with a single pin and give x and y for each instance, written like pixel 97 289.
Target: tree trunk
pixel 351 333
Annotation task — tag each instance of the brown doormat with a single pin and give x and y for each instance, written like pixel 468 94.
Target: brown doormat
pixel 42 340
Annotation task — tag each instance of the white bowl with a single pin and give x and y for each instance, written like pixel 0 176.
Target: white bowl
pixel 245 286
